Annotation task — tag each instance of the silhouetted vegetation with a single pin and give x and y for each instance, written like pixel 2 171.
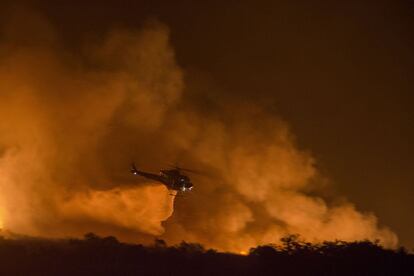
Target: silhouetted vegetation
pixel 96 255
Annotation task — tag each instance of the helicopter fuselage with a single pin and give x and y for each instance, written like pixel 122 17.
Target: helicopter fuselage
pixel 172 179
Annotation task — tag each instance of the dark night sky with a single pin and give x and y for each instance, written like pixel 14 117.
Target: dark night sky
pixel 339 73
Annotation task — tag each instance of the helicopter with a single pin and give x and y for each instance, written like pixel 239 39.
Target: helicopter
pixel 172 178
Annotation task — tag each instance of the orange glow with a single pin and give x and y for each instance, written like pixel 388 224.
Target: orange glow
pixel 70 126
pixel 140 209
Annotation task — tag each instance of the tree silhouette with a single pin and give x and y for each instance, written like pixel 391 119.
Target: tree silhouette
pixel 95 255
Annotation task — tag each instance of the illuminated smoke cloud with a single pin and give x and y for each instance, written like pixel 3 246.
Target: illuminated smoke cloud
pixel 73 120
pixel 262 192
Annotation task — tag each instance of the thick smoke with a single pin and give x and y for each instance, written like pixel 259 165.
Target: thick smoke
pixel 73 120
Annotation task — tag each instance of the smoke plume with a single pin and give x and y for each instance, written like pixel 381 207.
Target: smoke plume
pixel 72 120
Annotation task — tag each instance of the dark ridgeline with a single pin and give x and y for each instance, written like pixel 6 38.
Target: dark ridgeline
pixel 96 255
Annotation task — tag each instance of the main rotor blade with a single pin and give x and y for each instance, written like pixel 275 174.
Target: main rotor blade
pixel 187 170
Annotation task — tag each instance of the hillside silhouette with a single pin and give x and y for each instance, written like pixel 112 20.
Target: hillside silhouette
pixel 94 255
